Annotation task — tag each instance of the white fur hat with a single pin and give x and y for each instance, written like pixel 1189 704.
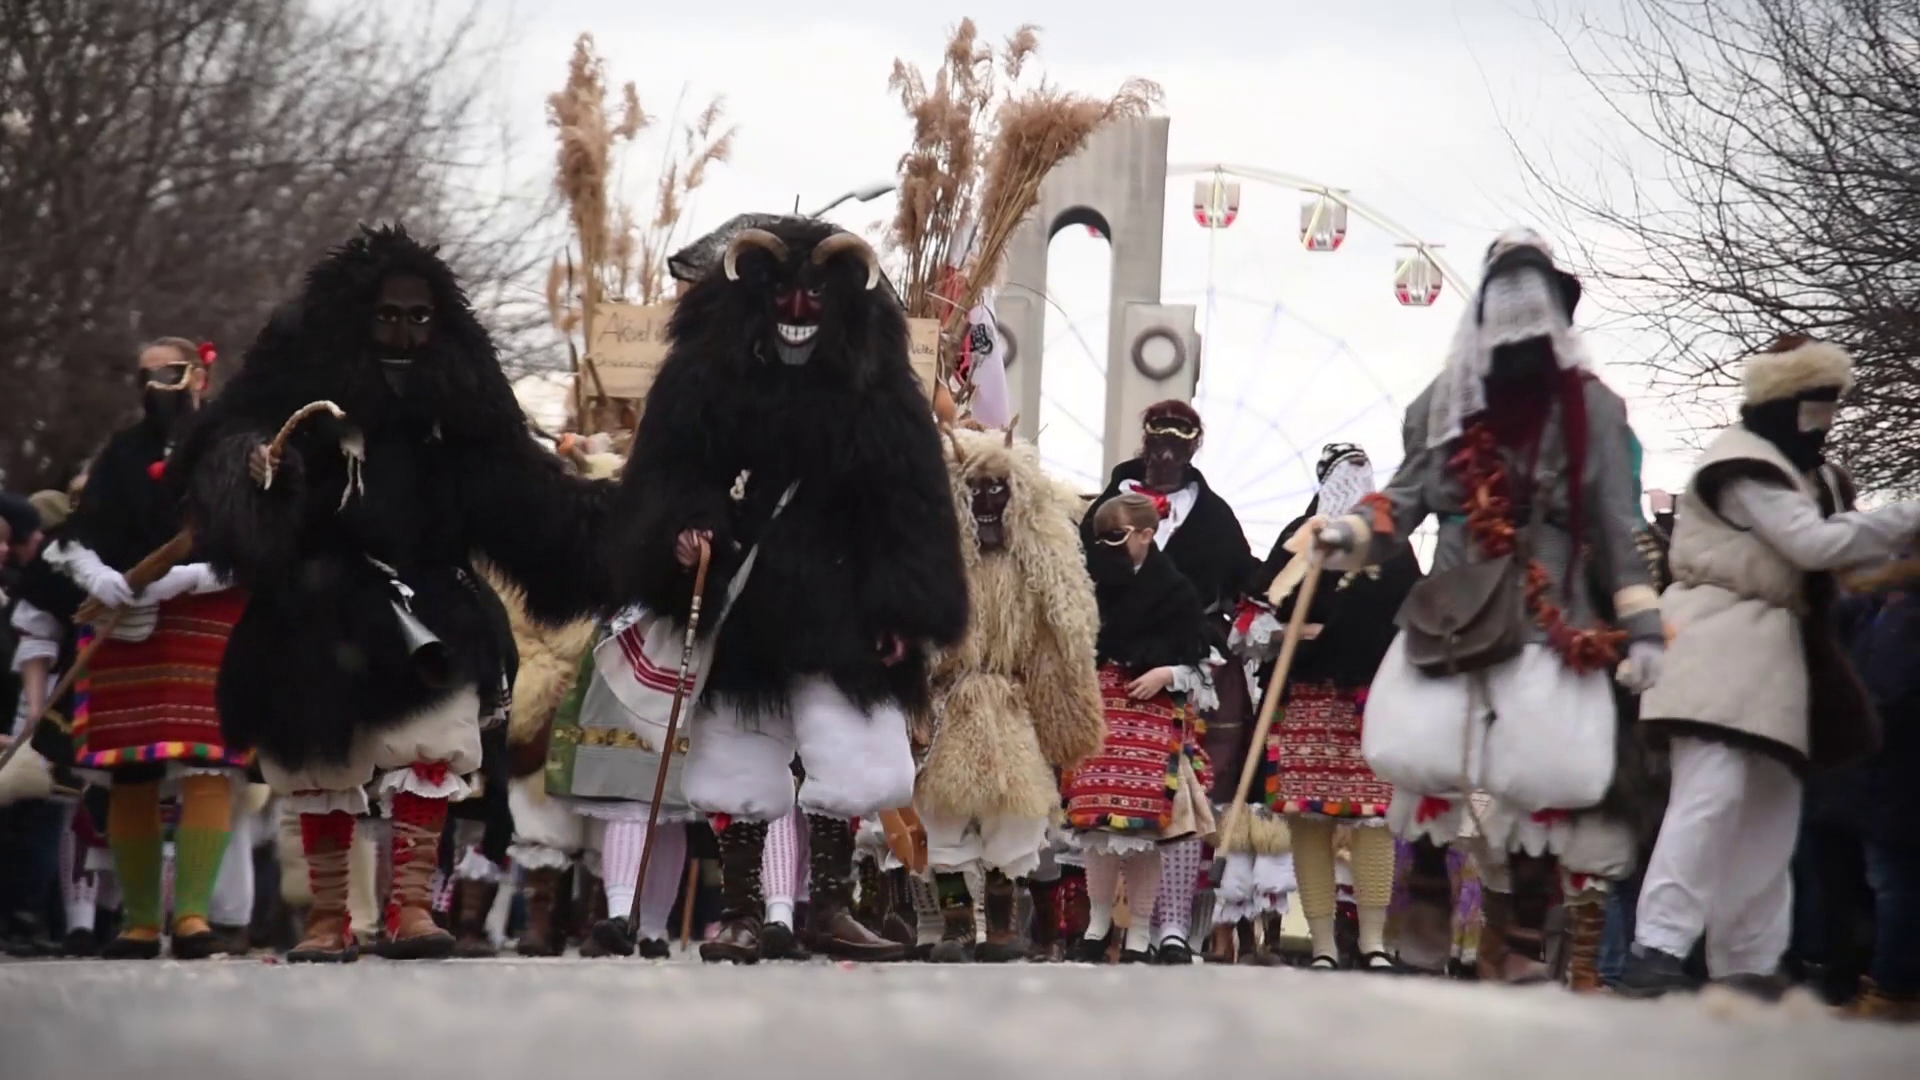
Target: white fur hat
pixel 1795 364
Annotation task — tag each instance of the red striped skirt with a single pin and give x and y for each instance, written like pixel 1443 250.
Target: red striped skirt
pixel 153 700
pixel 1128 787
pixel 1315 758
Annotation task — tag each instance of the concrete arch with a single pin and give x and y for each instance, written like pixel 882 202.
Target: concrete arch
pixel 1119 185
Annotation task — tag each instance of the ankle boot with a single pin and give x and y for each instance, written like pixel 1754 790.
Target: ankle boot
pixel 1046 918
pixel 743 906
pixel 414 933
pixel 472 903
pixel 1586 927
pixel 540 937
pixel 1219 948
pixel 956 919
pixel 1247 953
pixel 867 905
pixel 835 931
pixel 1003 941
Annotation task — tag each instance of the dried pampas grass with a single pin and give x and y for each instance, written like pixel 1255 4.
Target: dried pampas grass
pixel 620 257
pixel 982 144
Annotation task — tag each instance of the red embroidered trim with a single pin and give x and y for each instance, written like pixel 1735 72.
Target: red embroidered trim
pixel 1489 506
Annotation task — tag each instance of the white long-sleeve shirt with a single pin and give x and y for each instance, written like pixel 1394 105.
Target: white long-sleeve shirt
pixel 1791 523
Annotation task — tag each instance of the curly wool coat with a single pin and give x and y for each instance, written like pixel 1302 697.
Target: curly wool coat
pixel 1020 696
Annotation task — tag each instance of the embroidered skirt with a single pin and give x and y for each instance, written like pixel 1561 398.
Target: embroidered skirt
pixel 1314 758
pixel 153 700
pixel 1128 788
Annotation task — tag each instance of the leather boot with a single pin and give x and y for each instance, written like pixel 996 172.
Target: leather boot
pixel 956 919
pixel 1426 924
pixel 1535 880
pixel 1248 952
pixel 415 935
pixel 1003 941
pixel 1496 911
pixel 540 938
pixel 1046 919
pixel 867 905
pixel 1876 1004
pixel 835 931
pixel 742 903
pixel 472 902
pixel 328 938
pixel 1586 927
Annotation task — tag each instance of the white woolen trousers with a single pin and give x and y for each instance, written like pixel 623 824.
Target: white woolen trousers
pixel 1722 864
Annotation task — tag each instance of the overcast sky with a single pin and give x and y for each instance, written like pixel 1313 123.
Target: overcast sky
pixel 1410 104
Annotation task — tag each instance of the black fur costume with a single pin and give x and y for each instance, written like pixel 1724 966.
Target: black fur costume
pixel 450 470
pixel 868 547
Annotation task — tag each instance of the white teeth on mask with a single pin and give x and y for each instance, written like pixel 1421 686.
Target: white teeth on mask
pixel 797 335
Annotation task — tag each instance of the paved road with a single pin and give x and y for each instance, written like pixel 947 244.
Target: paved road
pixel 555 1020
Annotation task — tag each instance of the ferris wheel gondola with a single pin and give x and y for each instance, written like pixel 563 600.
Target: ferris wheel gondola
pixel 1418 278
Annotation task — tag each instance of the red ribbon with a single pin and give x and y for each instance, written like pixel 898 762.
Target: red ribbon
pixel 1161 504
pixel 208 354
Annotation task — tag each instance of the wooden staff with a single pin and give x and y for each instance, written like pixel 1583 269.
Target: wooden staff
pixel 673 729
pixel 686 905
pixel 144 573
pixel 1269 705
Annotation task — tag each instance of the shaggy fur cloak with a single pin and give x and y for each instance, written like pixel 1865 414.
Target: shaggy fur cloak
pixel 549 659
pixel 868 546
pixel 1020 696
pixel 449 469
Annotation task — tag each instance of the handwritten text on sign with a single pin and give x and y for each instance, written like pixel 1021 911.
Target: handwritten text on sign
pixel 629 345
pixel 923 351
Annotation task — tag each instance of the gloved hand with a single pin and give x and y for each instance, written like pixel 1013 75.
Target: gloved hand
pixel 1641 669
pixel 105 584
pixel 179 581
pixel 1337 536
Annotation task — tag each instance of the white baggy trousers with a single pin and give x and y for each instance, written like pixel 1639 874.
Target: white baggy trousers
pixel 1722 866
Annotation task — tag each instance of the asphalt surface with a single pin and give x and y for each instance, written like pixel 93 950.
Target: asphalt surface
pixel 548 1020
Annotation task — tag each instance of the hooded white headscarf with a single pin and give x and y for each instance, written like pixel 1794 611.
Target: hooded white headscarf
pixel 1516 306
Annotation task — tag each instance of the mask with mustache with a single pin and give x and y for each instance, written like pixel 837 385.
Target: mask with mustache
pixel 1167 450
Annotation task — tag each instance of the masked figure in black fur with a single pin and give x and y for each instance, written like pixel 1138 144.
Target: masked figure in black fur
pixel 371 650
pixel 787 424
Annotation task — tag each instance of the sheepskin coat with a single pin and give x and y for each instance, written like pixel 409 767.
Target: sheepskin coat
pixel 1020 695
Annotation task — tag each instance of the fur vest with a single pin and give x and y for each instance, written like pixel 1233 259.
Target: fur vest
pixel 1753 657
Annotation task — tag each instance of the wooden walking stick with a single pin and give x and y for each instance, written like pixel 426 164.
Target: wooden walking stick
pixel 1269 705
pixel 686 904
pixel 673 729
pixel 142 574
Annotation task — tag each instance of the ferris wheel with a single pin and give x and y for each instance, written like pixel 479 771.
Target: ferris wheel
pixel 1272 404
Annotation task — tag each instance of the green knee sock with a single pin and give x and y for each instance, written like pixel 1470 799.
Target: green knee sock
pixel 136 860
pixel 196 867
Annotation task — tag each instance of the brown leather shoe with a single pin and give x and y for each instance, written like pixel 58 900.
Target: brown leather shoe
pixel 737 943
pixel 417 937
pixel 329 939
pixel 838 934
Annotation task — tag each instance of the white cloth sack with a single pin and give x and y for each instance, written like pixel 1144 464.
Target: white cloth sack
pixel 1529 731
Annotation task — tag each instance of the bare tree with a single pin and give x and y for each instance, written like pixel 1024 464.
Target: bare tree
pixel 1790 200
pixel 173 166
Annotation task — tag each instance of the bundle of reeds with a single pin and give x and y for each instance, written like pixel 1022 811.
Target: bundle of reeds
pixel 983 140
pixel 613 256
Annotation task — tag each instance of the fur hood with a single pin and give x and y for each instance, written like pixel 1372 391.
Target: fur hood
pixel 1794 365
pixel 1020 696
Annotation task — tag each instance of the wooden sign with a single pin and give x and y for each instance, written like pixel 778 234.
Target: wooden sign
pixel 924 351
pixel 629 345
